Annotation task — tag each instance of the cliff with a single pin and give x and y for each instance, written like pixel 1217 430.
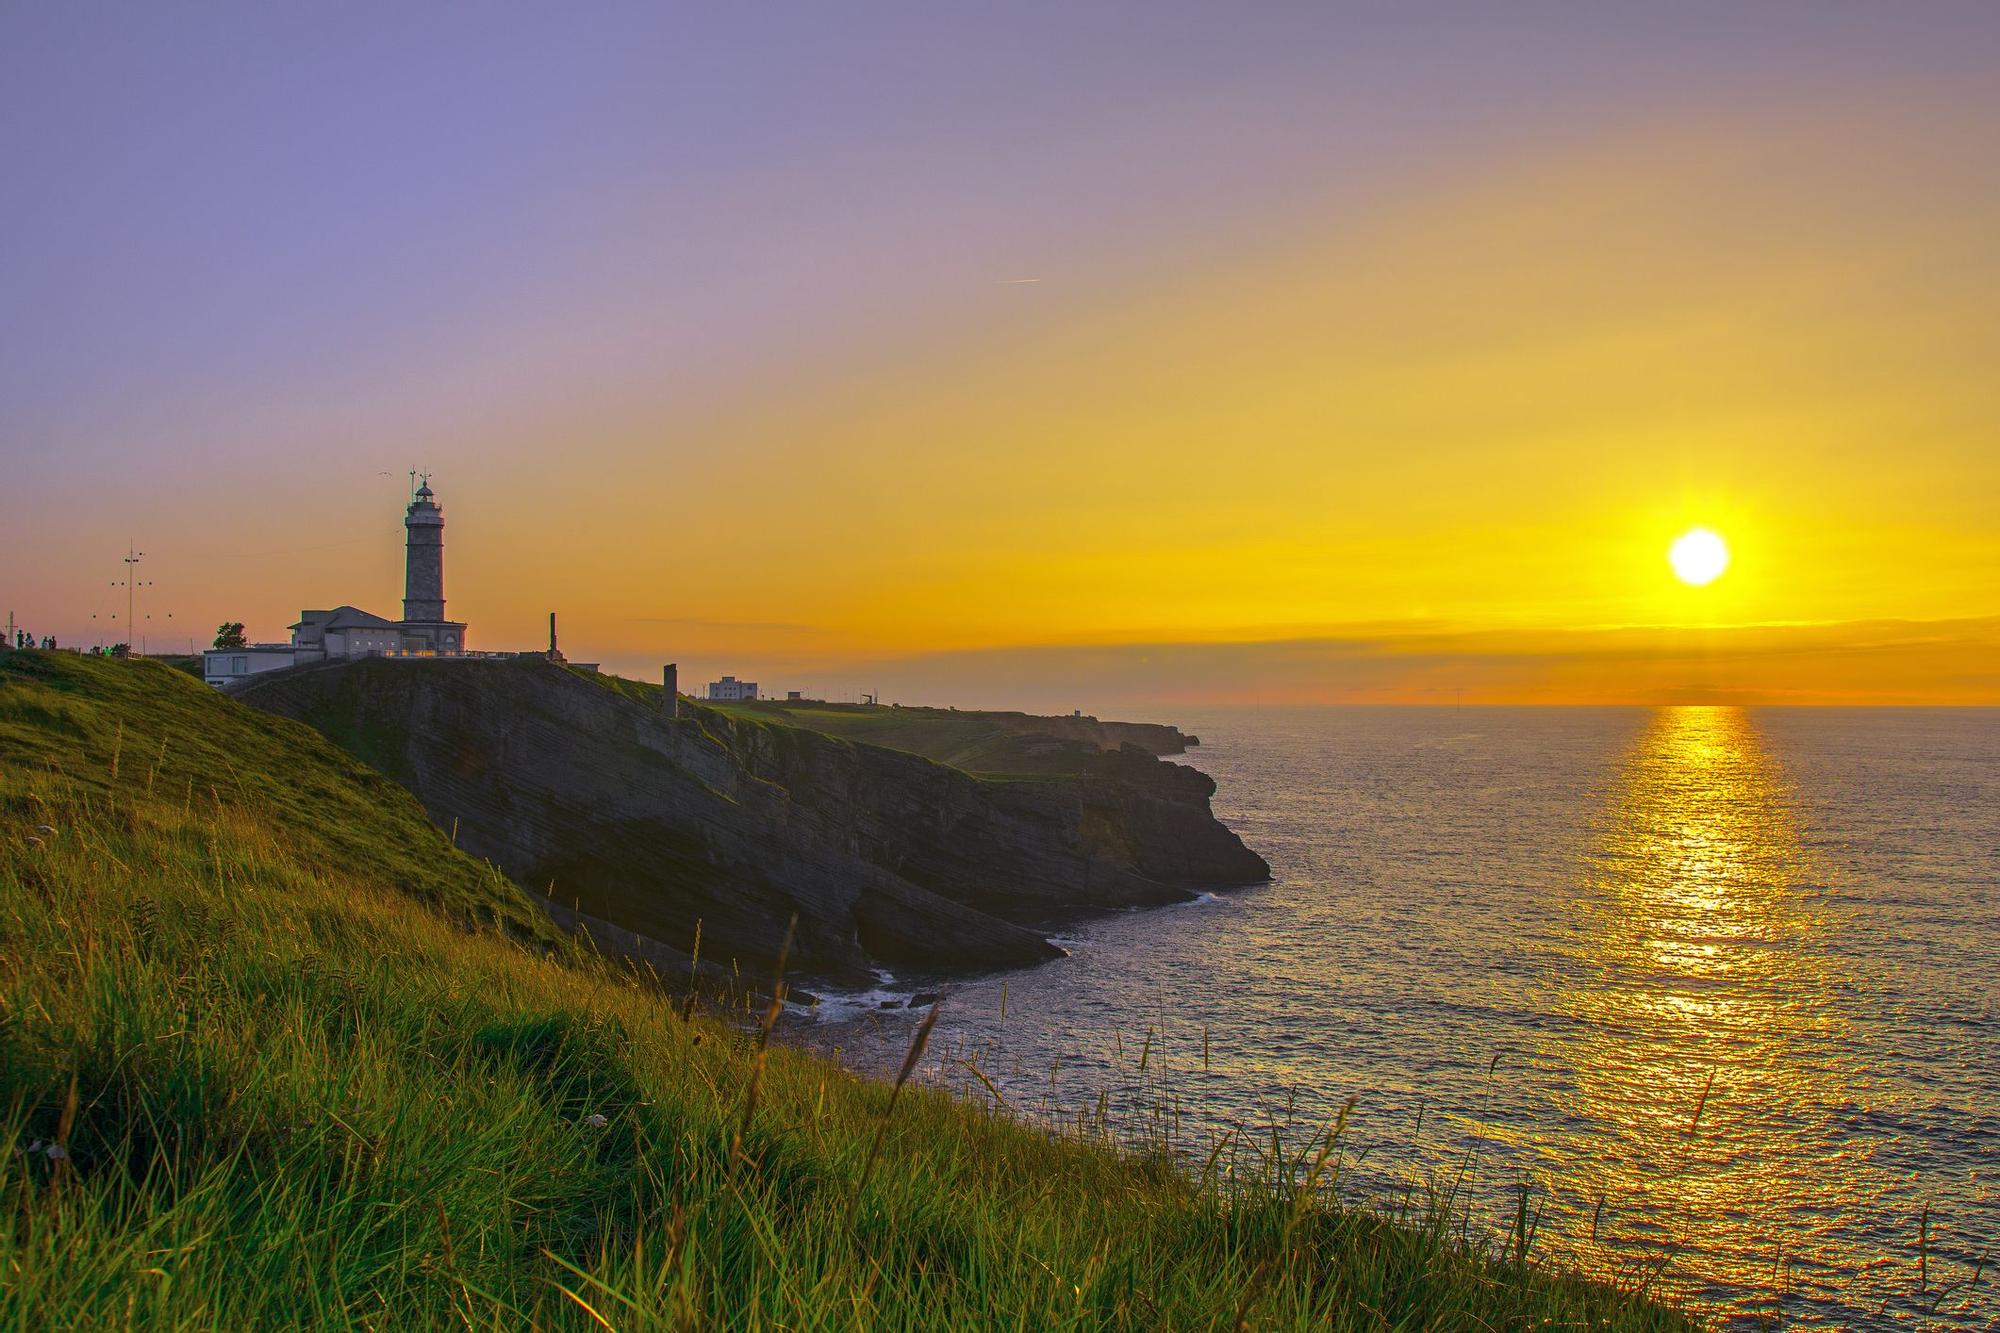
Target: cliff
pixel 579 788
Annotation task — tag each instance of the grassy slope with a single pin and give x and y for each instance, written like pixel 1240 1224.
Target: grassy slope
pixel 984 744
pixel 934 735
pixel 295 1087
pixel 937 734
pixel 90 726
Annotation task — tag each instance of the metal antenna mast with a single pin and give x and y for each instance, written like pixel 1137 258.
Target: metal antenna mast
pixel 133 555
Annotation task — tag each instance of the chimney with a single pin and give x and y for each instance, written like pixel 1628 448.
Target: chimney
pixel 552 634
pixel 670 677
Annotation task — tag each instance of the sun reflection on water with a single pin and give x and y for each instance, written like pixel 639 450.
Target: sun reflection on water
pixel 1705 1053
pixel 1527 941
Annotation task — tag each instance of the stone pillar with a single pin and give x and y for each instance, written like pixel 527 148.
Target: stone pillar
pixel 670 677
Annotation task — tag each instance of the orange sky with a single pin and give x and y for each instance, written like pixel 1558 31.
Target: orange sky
pixel 1388 427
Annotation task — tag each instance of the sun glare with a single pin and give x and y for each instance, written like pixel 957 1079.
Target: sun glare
pixel 1699 557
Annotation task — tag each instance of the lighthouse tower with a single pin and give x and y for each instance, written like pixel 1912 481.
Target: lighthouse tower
pixel 424 628
pixel 423 582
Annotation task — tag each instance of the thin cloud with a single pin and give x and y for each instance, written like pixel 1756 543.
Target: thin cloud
pixel 692 622
pixel 1854 662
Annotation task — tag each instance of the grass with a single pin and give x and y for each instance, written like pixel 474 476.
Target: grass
pixel 998 746
pixel 988 745
pixel 958 739
pixel 942 736
pixel 303 1067
pixel 136 726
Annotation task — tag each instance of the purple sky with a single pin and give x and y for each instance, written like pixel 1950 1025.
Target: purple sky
pixel 212 203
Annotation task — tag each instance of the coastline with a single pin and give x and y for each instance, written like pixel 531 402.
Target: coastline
pixel 384 1090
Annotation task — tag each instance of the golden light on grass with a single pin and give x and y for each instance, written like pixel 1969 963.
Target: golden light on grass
pixel 1699 557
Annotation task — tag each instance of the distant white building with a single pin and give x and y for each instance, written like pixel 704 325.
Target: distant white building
pixel 731 690
pixel 222 666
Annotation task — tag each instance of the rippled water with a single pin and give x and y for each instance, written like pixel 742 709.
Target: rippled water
pixel 1528 940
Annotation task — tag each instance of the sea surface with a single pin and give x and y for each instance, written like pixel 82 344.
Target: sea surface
pixel 1720 987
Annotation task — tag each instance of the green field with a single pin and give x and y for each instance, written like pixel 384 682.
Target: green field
pixel 940 735
pixel 989 744
pixel 303 1064
pixel 974 741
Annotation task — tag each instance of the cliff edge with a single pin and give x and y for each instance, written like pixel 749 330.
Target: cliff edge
pixel 581 789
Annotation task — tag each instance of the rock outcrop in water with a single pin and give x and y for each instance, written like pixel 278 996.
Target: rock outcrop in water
pixel 581 791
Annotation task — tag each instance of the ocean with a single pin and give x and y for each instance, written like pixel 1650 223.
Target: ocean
pixel 1716 990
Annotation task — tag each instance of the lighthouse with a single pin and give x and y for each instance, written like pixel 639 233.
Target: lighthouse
pixel 423 627
pixel 423 581
pixel 348 631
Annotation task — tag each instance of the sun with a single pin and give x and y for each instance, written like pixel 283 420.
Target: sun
pixel 1699 557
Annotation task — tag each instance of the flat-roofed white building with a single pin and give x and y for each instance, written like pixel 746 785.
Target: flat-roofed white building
pixel 731 690
pixel 224 666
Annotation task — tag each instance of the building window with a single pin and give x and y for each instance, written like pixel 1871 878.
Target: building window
pixel 239 666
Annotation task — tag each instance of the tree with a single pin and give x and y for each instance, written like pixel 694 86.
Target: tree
pixel 229 634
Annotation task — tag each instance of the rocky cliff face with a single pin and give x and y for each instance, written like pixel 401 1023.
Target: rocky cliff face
pixel 588 796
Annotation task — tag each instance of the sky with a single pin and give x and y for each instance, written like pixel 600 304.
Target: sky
pixel 1109 356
